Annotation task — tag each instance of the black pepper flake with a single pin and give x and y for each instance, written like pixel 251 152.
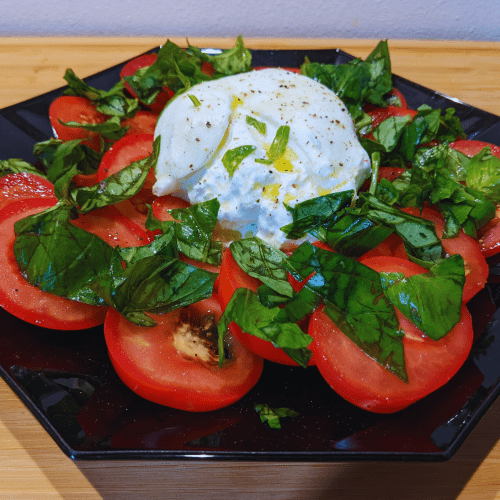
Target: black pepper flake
pixel 209 124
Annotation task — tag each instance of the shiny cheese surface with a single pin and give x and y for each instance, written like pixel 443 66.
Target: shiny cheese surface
pixel 197 128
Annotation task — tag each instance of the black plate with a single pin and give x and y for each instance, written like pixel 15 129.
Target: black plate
pixel 67 381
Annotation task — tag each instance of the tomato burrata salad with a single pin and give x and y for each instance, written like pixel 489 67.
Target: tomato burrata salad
pixel 215 216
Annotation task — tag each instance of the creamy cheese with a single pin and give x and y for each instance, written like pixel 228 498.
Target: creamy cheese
pixel 198 127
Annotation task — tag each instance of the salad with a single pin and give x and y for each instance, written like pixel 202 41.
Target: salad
pixel 188 318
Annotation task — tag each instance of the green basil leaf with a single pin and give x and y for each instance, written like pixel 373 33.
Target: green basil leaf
pixel 264 262
pixel 483 174
pixel 272 416
pixel 390 131
pixel 233 157
pixel 245 309
pixel 278 146
pixel 355 302
pixel 259 126
pixel 17 165
pixel 61 258
pixel 110 129
pixel 111 102
pixel 433 300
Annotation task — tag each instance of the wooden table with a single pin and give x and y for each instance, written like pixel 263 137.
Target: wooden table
pixel 32 466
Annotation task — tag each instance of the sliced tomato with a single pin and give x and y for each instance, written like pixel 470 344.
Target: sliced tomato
pixel 489 236
pixel 113 227
pixel 367 384
pixel 380 114
pixel 27 302
pixel 389 173
pixel 143 61
pixel 231 278
pixel 22 185
pixel 470 147
pixel 392 246
pixel 144 122
pixel 476 267
pixel 122 153
pixel 394 95
pixel 176 363
pixel 75 109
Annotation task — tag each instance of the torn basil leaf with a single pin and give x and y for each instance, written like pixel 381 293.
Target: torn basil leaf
pixel 233 157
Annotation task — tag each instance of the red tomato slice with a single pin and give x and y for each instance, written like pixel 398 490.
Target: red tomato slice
pixel 113 227
pixel 476 267
pixel 144 61
pixel 27 302
pixel 231 278
pixel 392 246
pixel 380 114
pixel 172 365
pixel 395 93
pixel 365 383
pixel 22 185
pixel 389 173
pixel 76 109
pixel 489 236
pixel 471 148
pixel 144 122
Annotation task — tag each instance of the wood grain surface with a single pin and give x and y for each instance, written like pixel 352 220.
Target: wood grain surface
pixel 31 464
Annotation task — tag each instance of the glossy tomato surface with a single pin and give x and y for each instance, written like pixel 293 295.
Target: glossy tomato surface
pixel 26 301
pixel 163 363
pixel 23 185
pixel 231 278
pixel 365 383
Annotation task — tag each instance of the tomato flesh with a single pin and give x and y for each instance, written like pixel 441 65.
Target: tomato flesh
pixel 75 109
pixel 231 278
pixel 27 302
pixel 22 185
pixel 365 383
pixel 155 363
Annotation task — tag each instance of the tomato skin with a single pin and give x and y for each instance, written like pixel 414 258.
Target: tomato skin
pixel 23 185
pixel 26 301
pixel 470 147
pixel 389 173
pixel 365 383
pixel 476 267
pixel 380 114
pixel 148 362
pixel 231 278
pixel 144 122
pixel 392 246
pixel 144 61
pixel 78 109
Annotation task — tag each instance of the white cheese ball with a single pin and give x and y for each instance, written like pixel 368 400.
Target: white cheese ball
pixel 197 128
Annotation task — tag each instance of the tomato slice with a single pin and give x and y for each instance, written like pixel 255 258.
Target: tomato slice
pixel 470 147
pixel 389 173
pixel 76 109
pixel 22 185
pixel 143 61
pixel 144 122
pixel 231 278
pixel 27 302
pixel 380 114
pixel 392 246
pixel 364 382
pixel 476 267
pixel 174 365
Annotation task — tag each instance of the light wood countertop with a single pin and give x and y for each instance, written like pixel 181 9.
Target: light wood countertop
pixel 31 464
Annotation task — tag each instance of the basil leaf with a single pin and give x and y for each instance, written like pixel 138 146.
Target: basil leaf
pixel 160 284
pixel 483 174
pixel 355 302
pixel 261 127
pixel 390 131
pixel 117 187
pixel 233 157
pixel 194 100
pixel 61 258
pixel 194 231
pixel 245 309
pixel 433 300
pixel 278 146
pixel 110 129
pixel 229 62
pixel 264 262
pixel 16 165
pixel 111 102
pixel 272 416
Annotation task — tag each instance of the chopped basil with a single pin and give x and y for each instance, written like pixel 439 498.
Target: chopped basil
pixel 278 146
pixel 233 157
pixel 259 126
pixel 272 416
pixel 110 129
pixel 194 100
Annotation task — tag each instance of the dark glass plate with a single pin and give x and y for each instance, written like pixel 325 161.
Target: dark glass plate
pixel 67 381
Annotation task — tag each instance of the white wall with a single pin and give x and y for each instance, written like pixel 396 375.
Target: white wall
pixel 424 19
